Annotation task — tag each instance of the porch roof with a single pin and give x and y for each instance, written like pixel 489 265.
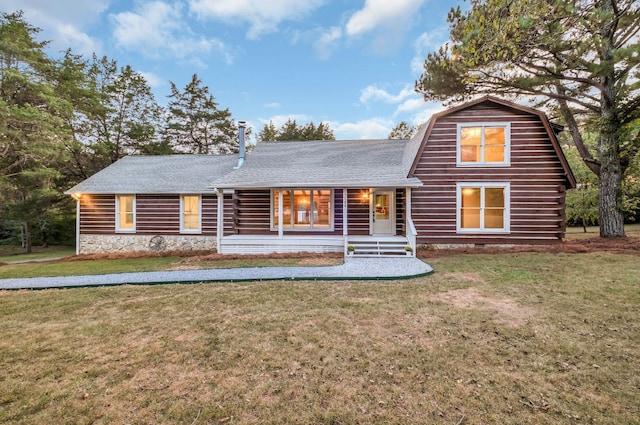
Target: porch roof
pixel 328 163
pixel 158 174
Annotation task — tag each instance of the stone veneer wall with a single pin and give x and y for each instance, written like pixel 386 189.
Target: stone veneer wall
pixel 98 244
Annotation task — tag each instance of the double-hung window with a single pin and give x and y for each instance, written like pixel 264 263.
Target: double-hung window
pixel 125 213
pixel 483 207
pixel 190 213
pixel 483 144
pixel 302 209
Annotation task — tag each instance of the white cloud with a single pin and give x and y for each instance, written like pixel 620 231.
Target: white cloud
pixel 62 21
pixel 373 128
pixel 375 93
pixel 279 120
pixel 153 80
pixel 428 110
pixel 272 105
pixel 411 105
pixel 69 35
pixel 426 43
pixel 382 13
pixel 324 45
pixel 262 16
pixel 157 29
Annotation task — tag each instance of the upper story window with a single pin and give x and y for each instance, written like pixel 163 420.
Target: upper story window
pixel 483 144
pixel 190 213
pixel 303 209
pixel 125 213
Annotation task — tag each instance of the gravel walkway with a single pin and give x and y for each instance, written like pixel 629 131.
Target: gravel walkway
pixel 353 268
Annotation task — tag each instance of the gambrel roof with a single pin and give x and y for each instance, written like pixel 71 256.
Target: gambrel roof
pixel 551 129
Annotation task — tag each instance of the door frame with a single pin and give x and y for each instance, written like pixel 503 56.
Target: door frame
pixel 392 210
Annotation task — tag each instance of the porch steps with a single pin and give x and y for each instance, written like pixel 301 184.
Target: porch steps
pixel 392 247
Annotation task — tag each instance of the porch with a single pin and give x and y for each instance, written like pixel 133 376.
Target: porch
pixel 360 246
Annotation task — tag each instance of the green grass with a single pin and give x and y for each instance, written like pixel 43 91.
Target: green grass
pixel 520 338
pixel 632 230
pixel 10 254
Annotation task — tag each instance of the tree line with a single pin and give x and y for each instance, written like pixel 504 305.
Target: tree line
pixel 62 120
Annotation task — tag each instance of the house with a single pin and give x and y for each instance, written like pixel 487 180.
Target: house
pixel 486 172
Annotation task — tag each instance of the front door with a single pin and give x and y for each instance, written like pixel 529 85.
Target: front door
pixel 383 213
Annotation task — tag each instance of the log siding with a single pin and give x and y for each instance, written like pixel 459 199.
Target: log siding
pixel 155 214
pixel 536 177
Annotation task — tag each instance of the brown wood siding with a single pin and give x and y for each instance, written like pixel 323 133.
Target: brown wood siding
pixel 400 212
pixel 252 209
pixel 358 211
pixel 209 215
pixel 228 226
pixel 252 214
pixel 158 214
pixel 155 214
pixel 536 178
pixel 97 214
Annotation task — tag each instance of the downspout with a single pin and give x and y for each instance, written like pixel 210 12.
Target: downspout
pixel 241 144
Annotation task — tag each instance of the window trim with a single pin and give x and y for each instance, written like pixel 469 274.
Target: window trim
pixel 182 213
pixel 483 186
pixel 507 144
pixel 291 227
pixel 119 229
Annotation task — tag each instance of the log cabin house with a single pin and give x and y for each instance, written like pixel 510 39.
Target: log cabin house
pixel 486 172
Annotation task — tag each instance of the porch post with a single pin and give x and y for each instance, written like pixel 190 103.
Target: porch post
pixel 345 221
pixel 410 228
pixel 407 205
pixel 78 226
pixel 220 220
pixel 280 214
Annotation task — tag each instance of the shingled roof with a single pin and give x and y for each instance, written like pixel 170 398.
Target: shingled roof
pixel 328 163
pixel 158 174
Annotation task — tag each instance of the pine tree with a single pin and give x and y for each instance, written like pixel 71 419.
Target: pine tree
pixel 195 124
pixel 32 126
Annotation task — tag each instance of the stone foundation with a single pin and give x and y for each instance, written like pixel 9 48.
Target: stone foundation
pixel 100 244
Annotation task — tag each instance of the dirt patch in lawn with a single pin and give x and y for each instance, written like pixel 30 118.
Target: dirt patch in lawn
pixel 507 312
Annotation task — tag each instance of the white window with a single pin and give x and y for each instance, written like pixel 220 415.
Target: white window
pixel 483 207
pixel 125 213
pixel 190 213
pixel 483 144
pixel 303 209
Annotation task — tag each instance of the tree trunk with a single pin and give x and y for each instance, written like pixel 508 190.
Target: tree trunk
pixel 611 217
pixel 27 237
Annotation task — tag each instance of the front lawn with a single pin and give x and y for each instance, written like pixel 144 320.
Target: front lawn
pixel 510 338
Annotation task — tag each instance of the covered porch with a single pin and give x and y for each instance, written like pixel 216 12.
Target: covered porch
pixel 365 222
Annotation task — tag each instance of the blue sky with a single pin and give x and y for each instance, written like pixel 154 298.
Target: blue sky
pixel 351 63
